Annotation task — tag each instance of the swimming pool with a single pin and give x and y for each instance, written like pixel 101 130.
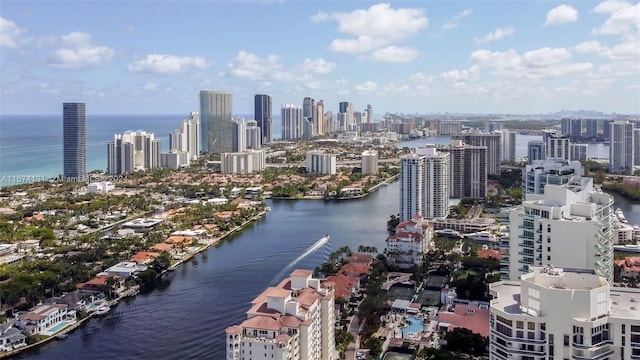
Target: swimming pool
pixel 61 325
pixel 414 326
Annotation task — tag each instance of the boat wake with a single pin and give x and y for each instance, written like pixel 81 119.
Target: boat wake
pixel 317 245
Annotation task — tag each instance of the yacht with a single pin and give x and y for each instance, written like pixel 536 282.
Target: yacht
pixel 449 233
pixel 620 215
pixel 103 310
pixel 633 248
pixel 482 236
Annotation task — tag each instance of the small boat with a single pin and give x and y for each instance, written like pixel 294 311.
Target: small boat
pixel 620 215
pixel 103 310
pixel 62 336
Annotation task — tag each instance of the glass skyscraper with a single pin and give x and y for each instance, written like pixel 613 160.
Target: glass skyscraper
pixel 216 128
pixel 263 115
pixel 74 141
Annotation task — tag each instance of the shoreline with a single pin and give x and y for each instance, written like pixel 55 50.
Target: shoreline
pixel 133 291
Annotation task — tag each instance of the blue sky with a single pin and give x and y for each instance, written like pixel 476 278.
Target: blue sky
pixel 136 57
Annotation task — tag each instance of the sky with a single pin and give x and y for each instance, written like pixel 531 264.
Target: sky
pixel 153 57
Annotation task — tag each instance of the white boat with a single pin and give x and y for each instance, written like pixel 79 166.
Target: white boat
pixel 482 236
pixel 102 310
pixel 449 233
pixel 62 336
pixel 620 215
pixel 627 248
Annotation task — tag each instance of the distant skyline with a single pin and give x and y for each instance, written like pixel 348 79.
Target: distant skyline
pixel 521 57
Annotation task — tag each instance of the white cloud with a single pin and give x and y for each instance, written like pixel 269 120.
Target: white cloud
pixel 78 50
pixel 392 54
pixel 623 18
pixel 625 50
pixel 366 87
pixel 455 19
pixel 373 28
pixel 164 64
pixel 319 66
pixel 497 34
pixel 46 89
pixel 9 33
pixel 150 86
pixel 545 57
pixel 461 75
pixel 561 14
pixel 590 47
pixel 252 67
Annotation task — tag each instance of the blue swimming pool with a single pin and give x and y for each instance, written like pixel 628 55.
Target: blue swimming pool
pixel 414 326
pixel 59 327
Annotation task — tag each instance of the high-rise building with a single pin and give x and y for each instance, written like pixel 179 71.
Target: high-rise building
pixel 565 126
pixel 320 163
pixel 245 162
pixel 174 159
pixel 556 314
pixel 369 162
pixel 539 173
pixel 621 147
pixel 576 128
pixel 319 118
pixel 369 114
pixel 74 140
pixel 492 126
pixel 133 151
pixel 636 146
pixel 606 129
pixel 558 146
pixel 291 321
pixel 187 137
pixel 570 225
pixel 264 117
pixel 436 182
pixel 411 186
pixel 579 152
pixel 508 145
pixel 254 137
pixel 592 128
pixel 216 127
pixel 492 141
pixel 536 150
pixel 292 122
pixel 448 127
pixel 468 170
pixel 239 140
pixel 345 116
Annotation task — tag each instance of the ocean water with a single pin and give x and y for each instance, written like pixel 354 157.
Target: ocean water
pixel 31 145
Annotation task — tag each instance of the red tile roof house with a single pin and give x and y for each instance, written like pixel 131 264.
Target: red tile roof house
pixel 489 253
pixel 630 266
pixel 360 258
pixel 355 270
pixel 345 286
pixel 465 316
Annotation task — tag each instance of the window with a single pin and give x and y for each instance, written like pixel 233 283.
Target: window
pixel 548 258
pixel 566 340
pixel 519 324
pixel 531 326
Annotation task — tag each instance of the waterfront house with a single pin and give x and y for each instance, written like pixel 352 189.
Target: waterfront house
pixel 42 317
pixel 143 257
pixel 630 266
pixel 469 317
pixel 163 246
pixel 10 336
pixel 125 269
pixel 345 286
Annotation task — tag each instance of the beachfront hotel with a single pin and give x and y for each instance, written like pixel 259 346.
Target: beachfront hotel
pixel 570 225
pixel 556 313
pixel 291 321
pixel 74 141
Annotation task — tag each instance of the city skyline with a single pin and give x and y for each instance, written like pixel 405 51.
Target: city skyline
pixel 425 57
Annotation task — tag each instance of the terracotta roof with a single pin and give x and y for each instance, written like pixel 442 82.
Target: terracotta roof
pixel 308 296
pixel 489 253
pixel 302 273
pixel 283 338
pixel 162 247
pixel 234 329
pixel 143 256
pixel 277 292
pixel 360 258
pixel 262 322
pixel 343 284
pixel 477 320
pixel 355 269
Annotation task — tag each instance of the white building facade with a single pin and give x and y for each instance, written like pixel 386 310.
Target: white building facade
pixel 569 225
pixel 436 182
pixel 242 162
pixel 133 151
pixel 292 126
pixel 187 137
pixel 621 147
pixel 320 163
pixel 540 173
pixel 369 162
pixel 294 320
pixel 411 186
pixel 557 314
